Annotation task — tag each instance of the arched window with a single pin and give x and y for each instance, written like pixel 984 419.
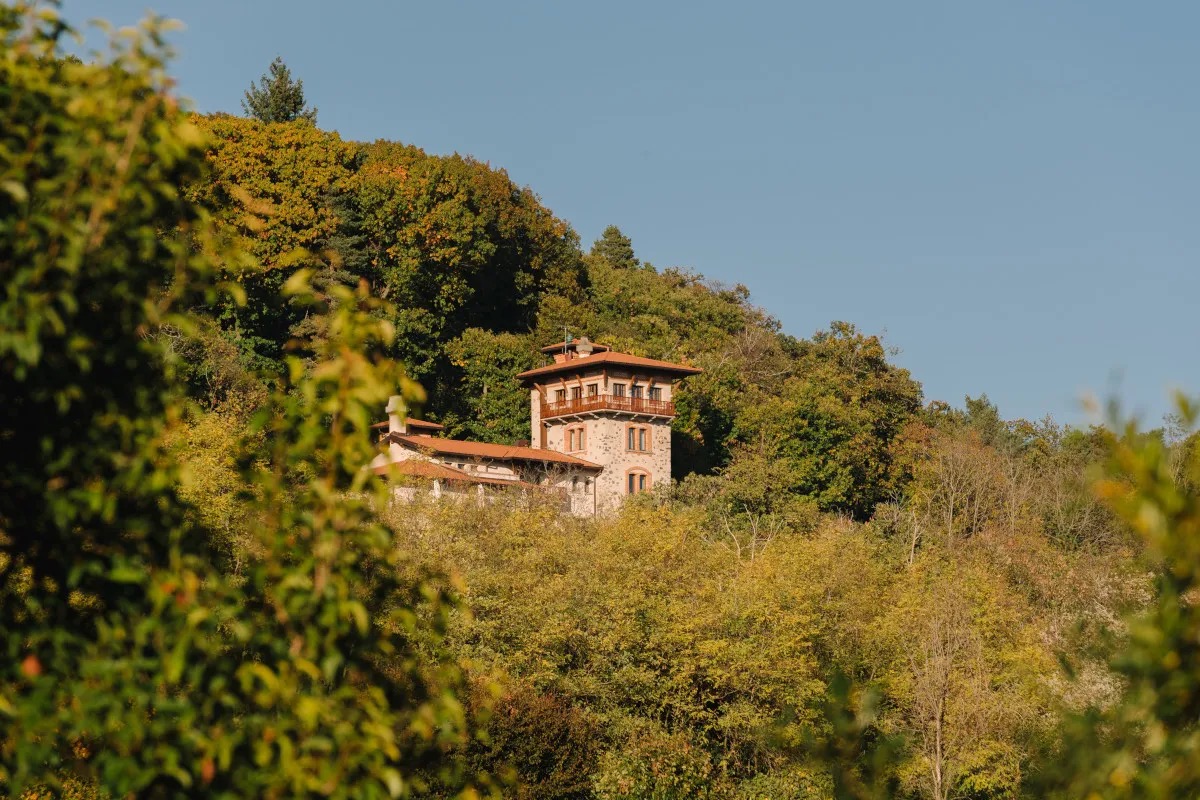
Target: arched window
pixel 637 481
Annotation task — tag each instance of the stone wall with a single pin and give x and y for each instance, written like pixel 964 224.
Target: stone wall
pixel 607 441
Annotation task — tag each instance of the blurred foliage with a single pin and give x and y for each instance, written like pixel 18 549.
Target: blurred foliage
pixel 1147 744
pixel 135 661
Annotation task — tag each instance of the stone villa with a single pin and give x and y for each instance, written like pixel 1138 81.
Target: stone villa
pixel 600 430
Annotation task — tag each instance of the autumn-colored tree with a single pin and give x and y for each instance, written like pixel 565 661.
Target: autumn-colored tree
pixel 270 186
pixel 457 245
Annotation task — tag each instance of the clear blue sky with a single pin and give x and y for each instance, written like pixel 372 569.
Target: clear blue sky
pixel 1009 192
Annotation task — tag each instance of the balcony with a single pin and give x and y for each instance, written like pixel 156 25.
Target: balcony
pixel 607 402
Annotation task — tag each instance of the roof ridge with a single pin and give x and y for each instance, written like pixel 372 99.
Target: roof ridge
pixel 504 451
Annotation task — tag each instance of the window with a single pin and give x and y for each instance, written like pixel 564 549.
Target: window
pixel 560 395
pixel 593 389
pixel 576 392
pixel 635 391
pixel 656 393
pixel 638 438
pixel 618 390
pixel 637 482
pixel 576 438
pixel 574 484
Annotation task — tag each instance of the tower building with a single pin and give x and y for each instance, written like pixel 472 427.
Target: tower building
pixel 608 408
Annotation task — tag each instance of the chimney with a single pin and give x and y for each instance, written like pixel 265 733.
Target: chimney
pixel 395 407
pixel 584 348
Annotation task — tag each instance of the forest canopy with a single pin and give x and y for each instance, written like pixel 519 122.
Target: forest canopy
pixel 847 591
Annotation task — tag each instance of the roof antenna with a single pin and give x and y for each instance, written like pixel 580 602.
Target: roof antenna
pixel 566 341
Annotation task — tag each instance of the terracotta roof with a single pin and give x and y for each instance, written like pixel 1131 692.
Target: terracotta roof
pixel 427 469
pixel 498 452
pixel 609 358
pixel 413 422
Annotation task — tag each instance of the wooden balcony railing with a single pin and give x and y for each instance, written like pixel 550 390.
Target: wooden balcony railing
pixel 608 402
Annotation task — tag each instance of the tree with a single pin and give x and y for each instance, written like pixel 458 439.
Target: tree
pixel 285 192
pixel 130 658
pixel 838 420
pixel 616 248
pixel 278 98
pixel 492 406
pixel 457 245
pixel 1147 745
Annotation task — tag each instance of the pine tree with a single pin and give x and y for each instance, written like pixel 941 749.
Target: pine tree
pixel 278 98
pixel 616 248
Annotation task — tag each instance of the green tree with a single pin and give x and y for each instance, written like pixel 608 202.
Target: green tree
pixel 492 406
pixel 616 248
pixel 278 98
pixel 131 660
pixel 838 421
pixel 1147 745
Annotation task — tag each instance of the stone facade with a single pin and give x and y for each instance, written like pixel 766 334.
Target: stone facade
pixel 606 443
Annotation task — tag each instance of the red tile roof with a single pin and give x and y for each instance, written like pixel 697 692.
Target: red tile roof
pixel 427 469
pixel 497 452
pixel 609 358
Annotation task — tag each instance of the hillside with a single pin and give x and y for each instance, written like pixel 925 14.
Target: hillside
pixel 824 521
pixel 846 592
